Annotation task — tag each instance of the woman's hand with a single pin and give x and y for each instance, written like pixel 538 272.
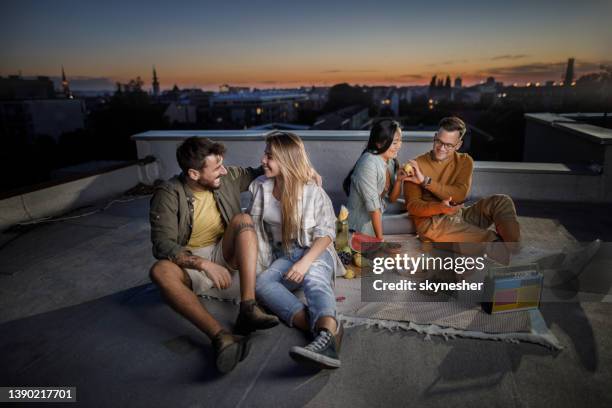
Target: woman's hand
pixel 297 271
pixel 401 176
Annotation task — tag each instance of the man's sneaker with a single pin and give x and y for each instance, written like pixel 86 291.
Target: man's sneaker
pixel 323 351
pixel 252 317
pixel 229 350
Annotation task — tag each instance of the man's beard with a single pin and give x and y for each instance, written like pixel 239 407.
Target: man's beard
pixel 211 186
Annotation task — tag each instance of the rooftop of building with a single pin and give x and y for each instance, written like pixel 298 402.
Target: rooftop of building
pixel 77 307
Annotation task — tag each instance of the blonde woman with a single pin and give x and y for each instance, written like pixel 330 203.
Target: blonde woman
pixel 295 224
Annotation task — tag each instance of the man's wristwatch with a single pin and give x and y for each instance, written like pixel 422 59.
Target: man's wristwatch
pixel 426 181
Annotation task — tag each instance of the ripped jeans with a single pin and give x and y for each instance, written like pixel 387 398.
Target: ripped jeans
pixel 274 291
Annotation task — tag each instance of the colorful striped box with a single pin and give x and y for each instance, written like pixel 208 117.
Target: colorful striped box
pixel 513 288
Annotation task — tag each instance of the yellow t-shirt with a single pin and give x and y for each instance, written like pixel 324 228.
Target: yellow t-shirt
pixel 208 226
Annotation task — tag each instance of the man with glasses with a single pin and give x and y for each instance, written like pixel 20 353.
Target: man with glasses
pixel 439 185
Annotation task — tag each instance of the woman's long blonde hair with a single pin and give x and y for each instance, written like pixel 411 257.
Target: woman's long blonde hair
pixel 287 149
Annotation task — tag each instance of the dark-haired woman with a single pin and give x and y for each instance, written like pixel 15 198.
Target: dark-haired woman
pixel 375 183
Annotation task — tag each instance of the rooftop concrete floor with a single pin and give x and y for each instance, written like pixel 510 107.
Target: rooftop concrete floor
pixel 77 309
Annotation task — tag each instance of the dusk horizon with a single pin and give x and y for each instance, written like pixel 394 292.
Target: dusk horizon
pixel 275 45
pixel 540 73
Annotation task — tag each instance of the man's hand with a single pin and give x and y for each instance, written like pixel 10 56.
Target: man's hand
pixel 219 275
pixel 448 208
pixel 417 176
pixel 297 271
pixel 316 177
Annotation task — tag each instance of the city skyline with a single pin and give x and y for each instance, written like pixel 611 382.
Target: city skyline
pixel 275 44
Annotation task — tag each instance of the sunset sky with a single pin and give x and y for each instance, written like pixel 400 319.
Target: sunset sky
pixel 279 44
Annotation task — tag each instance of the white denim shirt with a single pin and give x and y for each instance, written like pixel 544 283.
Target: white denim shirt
pixel 315 210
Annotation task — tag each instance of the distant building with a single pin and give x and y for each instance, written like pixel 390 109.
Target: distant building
pixel 389 97
pixel 65 85
pixel 439 92
pixel 380 94
pixel 550 95
pixel 468 96
pixel 316 97
pixel 458 82
pixel 225 88
pixel 181 113
pixel 15 87
pixel 394 105
pixel 254 108
pixel 94 100
pixel 155 84
pixel 405 94
pixel 195 96
pixel 489 91
pixel 391 102
pixel 171 95
pixel 30 119
pixel 569 73
pixel 349 118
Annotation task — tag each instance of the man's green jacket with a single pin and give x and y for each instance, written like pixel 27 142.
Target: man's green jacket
pixel 171 209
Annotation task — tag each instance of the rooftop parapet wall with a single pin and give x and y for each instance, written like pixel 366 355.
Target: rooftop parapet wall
pixel 58 198
pixel 333 153
pixel 564 139
pixel 560 139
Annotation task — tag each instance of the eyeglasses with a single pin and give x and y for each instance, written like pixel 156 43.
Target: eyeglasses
pixel 447 146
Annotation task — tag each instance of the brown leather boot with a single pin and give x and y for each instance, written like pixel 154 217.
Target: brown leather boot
pixel 229 350
pixel 252 317
pixel 510 232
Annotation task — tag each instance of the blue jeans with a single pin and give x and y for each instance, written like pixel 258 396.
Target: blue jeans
pixel 274 291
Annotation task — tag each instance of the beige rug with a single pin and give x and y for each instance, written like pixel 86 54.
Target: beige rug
pixel 540 237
